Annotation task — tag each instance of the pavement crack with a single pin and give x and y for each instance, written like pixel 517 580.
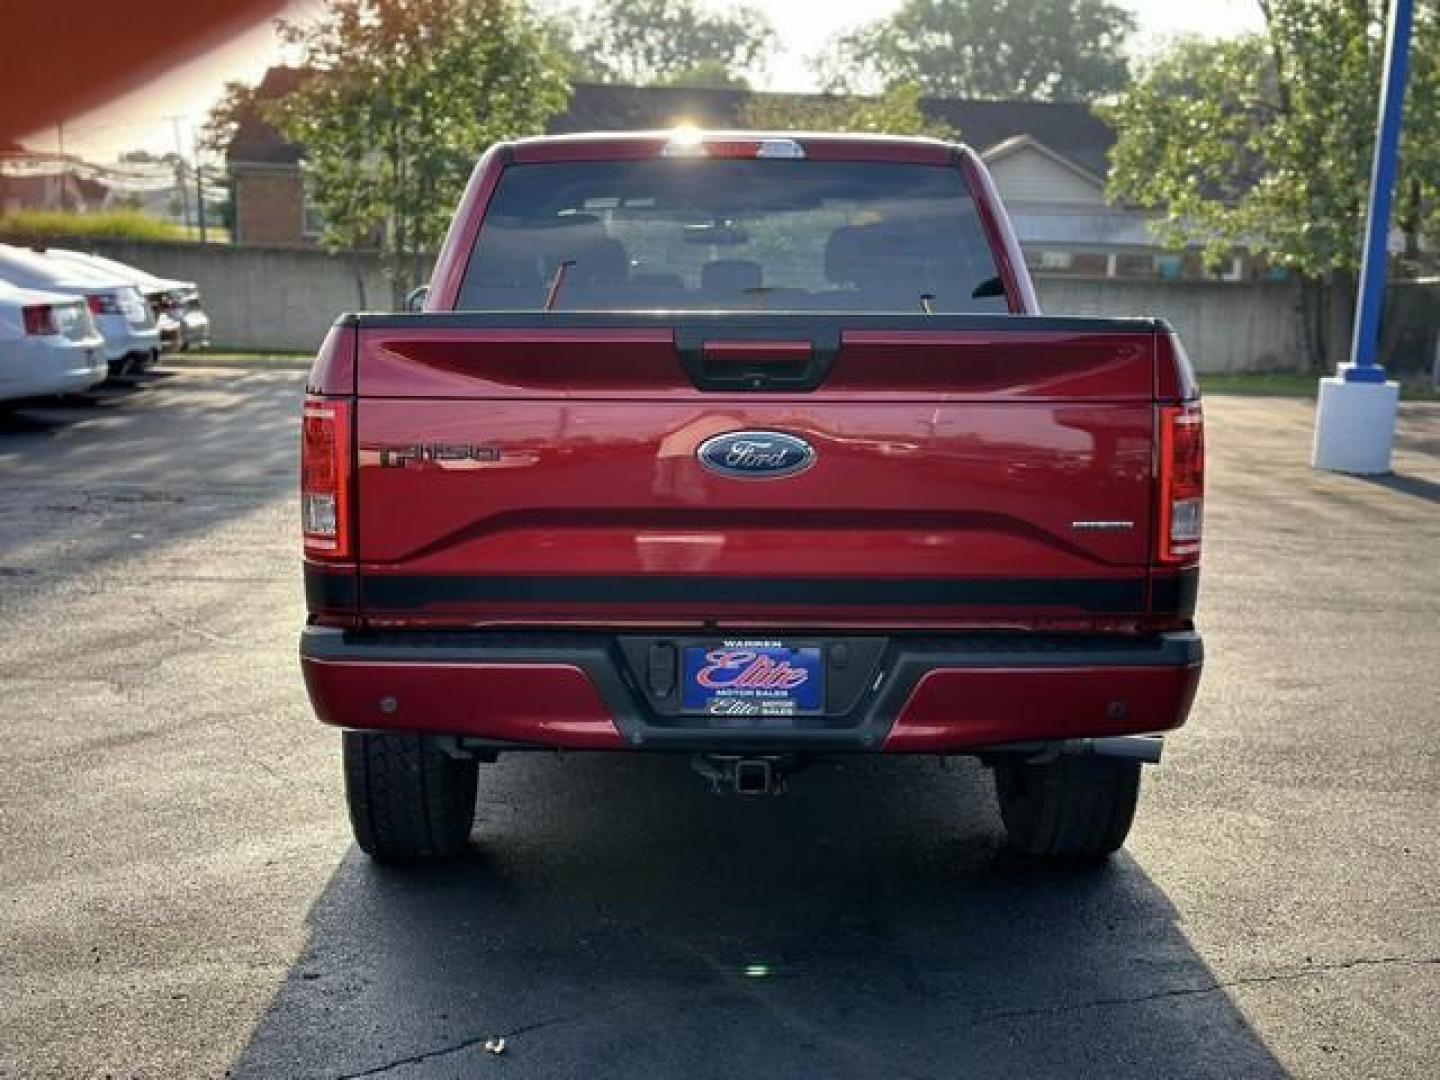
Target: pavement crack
pixel 1306 972
pixel 453 1048
pixel 176 622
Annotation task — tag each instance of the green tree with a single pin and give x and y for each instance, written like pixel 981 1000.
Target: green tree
pixel 237 102
pixel 401 98
pixel 1040 50
pixel 896 112
pixel 1264 143
pixel 668 43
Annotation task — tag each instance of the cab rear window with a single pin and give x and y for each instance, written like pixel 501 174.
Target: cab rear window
pixel 726 235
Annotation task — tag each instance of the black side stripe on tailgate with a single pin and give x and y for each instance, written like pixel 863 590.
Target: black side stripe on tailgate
pixel 391 592
pixel 1175 595
pixel 329 588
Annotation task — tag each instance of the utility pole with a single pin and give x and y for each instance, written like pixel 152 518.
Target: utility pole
pixel 64 169
pixel 1355 420
pixel 199 185
pixel 180 169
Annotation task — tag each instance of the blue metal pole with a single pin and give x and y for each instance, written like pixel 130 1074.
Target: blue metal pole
pixel 1363 366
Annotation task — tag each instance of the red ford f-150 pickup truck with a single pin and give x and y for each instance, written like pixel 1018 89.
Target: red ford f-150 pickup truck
pixel 753 448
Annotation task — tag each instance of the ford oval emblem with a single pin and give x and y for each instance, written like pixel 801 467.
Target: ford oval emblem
pixel 756 455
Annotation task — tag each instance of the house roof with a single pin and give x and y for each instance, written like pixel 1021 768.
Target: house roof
pixel 605 107
pixel 1018 143
pixel 256 142
pixel 1066 130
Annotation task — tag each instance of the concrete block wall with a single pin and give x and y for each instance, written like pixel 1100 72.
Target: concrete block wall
pixel 258 297
pixel 1226 327
pixel 286 299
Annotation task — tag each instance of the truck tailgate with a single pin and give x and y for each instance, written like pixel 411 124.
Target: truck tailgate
pixel 966 470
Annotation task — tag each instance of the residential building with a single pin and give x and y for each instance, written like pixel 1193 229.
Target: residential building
pixel 1049 159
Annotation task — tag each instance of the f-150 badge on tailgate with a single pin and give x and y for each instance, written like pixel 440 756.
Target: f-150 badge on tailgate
pixel 756 455
pixel 443 455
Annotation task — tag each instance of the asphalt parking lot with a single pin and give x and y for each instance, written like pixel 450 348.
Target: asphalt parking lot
pixel 179 896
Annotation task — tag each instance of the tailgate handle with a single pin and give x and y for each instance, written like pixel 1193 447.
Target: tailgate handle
pixel 757 352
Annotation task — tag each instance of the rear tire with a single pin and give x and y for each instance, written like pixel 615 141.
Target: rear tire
pixel 1067 808
pixel 409 799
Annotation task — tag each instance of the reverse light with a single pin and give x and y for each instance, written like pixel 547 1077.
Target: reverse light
pixel 40 320
pixel 1182 482
pixel 325 478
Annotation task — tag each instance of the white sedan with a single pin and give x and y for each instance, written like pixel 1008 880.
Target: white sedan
pixel 179 314
pixel 120 312
pixel 48 344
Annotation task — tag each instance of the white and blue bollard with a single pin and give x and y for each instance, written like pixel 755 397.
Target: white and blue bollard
pixel 1355 417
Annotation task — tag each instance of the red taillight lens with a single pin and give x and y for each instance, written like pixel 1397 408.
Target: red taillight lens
pixel 40 320
pixel 325 478
pixel 102 304
pixel 1182 482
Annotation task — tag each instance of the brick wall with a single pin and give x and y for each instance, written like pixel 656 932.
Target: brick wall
pixel 269 205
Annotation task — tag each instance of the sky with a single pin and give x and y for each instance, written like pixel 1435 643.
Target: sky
pixel 164 114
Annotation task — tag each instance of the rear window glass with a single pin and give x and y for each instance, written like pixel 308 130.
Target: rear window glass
pixel 725 235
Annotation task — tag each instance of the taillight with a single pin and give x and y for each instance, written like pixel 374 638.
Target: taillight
pixel 325 478
pixel 1182 482
pixel 40 320
pixel 102 304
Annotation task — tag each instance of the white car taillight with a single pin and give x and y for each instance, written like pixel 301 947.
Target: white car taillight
pixel 40 320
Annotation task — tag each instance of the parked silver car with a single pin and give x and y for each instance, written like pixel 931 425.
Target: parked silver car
pixel 179 314
pixel 123 318
pixel 48 345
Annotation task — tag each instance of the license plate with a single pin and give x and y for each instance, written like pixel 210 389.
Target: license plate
pixel 753 678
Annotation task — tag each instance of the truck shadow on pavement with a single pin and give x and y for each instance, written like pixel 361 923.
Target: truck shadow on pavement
pixel 1416 486
pixel 615 919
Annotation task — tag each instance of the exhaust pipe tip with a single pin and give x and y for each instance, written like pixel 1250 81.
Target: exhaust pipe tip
pixel 1143 748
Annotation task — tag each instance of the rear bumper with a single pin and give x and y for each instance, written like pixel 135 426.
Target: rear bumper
pixel 196 326
pixel 51 365
pixel 172 333
pixel 124 339
pixel 930 695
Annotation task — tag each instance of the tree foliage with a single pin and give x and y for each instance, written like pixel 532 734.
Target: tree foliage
pixel 1041 50
pixel 668 43
pixel 237 101
pixel 896 112
pixel 401 97
pixel 1264 142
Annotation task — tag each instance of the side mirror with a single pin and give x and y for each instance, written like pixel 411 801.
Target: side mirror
pixel 416 300
pixel 988 288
